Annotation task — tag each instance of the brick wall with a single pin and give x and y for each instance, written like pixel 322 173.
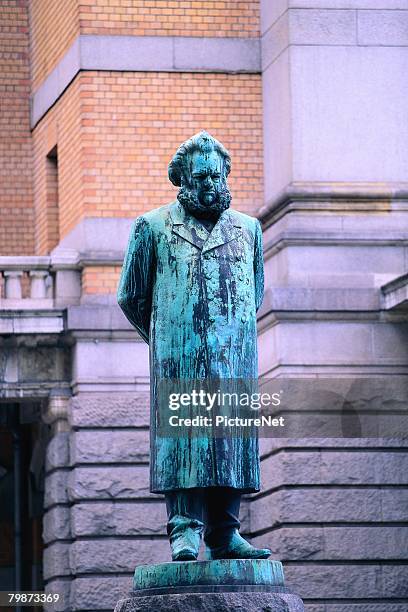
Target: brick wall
pixel 16 198
pixel 116 133
pixel 100 279
pixel 54 30
pixel 233 18
pixel 60 127
pixel 133 122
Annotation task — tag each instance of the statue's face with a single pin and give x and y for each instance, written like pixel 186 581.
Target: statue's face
pixel 204 191
pixel 206 176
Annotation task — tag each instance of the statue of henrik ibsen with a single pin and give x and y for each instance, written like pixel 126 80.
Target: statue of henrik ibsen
pixel 191 284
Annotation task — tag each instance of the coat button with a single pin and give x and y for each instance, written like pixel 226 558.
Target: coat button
pixel 242 298
pixel 206 256
pixel 241 277
pixel 207 275
pixel 211 319
pixel 243 319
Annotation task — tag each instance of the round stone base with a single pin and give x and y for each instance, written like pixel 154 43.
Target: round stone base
pixel 181 576
pixel 244 585
pixel 209 602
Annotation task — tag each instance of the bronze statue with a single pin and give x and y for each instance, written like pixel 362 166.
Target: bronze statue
pixel 191 284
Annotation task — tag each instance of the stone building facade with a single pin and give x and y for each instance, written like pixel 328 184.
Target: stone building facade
pixel 310 97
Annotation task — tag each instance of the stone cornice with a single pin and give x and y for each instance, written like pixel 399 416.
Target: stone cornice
pixel 145 53
pixel 395 293
pixel 335 197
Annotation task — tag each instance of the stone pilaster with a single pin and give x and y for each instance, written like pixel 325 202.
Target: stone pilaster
pixel 336 208
pixel 57 534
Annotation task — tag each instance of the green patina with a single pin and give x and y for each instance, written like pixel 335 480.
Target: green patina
pixel 254 572
pixel 192 289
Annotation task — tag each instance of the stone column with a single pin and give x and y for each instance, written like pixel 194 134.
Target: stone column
pixel 334 97
pixel 335 219
pixel 56 523
pixel 64 262
pixel 38 289
pixel 12 289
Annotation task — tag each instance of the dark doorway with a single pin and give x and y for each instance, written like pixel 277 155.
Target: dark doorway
pixel 22 451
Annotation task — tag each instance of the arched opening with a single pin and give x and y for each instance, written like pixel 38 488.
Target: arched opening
pixel 22 455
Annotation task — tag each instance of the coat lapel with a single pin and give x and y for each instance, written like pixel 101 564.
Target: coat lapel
pixel 186 226
pixel 225 230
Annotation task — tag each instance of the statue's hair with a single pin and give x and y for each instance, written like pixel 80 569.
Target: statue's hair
pixel 203 142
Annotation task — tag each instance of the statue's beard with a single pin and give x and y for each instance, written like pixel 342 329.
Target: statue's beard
pixel 189 199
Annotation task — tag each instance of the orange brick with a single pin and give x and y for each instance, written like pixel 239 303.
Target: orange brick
pixel 116 164
pixel 16 193
pixel 100 279
pixel 137 17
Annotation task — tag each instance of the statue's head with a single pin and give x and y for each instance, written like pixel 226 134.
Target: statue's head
pixel 200 168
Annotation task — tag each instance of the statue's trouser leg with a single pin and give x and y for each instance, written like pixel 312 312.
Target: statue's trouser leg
pixel 221 514
pixel 223 540
pixel 184 524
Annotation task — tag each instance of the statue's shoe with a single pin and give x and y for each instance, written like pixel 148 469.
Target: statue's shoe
pixel 237 548
pixel 185 554
pixel 185 545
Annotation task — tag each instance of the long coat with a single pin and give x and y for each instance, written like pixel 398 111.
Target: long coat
pixel 193 296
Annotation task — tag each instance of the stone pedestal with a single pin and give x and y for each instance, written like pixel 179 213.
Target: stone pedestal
pixel 223 585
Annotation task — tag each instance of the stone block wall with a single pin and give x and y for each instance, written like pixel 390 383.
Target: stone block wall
pixel 100 518
pixel 333 89
pixel 335 208
pixel 334 509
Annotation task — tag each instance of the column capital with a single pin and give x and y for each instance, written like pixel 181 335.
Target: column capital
pixel 55 411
